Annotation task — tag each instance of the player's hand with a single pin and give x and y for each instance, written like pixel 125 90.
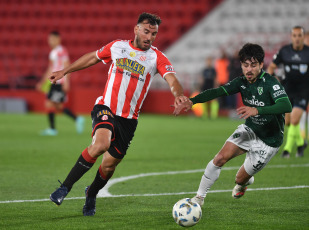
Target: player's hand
pixel 184 104
pixel 55 76
pixel 246 111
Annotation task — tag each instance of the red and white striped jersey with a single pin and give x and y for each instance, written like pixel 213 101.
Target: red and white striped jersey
pixel 130 75
pixel 58 56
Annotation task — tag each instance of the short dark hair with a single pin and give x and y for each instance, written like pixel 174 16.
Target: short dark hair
pixel 55 33
pixel 249 51
pixel 298 27
pixel 152 19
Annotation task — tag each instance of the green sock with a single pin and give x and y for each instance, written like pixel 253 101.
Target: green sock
pixel 214 109
pixel 205 107
pixel 290 139
pixel 298 138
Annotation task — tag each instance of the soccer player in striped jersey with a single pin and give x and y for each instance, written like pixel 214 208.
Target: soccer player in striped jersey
pixel 134 64
pixel 56 93
pixel 265 102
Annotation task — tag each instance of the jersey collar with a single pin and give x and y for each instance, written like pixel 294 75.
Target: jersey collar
pixel 262 74
pixel 135 48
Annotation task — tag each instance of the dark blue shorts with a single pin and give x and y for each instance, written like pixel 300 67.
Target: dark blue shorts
pixel 122 129
pixel 56 94
pixel 300 102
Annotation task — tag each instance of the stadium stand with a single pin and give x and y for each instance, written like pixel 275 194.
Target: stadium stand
pixel 85 26
pixel 230 25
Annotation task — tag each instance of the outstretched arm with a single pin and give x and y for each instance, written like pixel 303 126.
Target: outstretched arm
pixel 176 90
pixel 83 62
pixel 204 96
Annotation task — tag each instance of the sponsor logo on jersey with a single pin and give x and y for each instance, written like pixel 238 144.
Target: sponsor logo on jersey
pixel 303 68
pixel 243 87
pixel 104 112
pixel 254 101
pixel 276 87
pixel 260 90
pixel 169 68
pixel 296 57
pixel 130 65
pixel 278 93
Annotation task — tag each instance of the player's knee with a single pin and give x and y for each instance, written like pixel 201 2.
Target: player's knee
pixel 98 149
pixel 219 160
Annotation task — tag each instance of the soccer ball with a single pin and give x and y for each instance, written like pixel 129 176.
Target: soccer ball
pixel 187 213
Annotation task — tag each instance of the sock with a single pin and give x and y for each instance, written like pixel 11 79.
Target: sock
pixel 214 109
pixel 83 164
pixel 211 174
pixel 298 137
pixel 290 139
pixel 250 181
pixel 99 182
pixel 205 107
pixel 69 113
pixel 51 119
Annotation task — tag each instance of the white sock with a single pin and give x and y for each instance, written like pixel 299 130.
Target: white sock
pixel 211 174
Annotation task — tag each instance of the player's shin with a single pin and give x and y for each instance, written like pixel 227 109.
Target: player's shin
pixel 98 183
pixel 83 164
pixel 211 174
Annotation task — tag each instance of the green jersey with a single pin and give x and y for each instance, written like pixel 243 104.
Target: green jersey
pixel 265 91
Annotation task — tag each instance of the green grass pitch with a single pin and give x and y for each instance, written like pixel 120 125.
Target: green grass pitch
pixel 30 166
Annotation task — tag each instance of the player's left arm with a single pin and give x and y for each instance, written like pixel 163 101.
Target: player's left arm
pixel 283 105
pixel 176 90
pixel 66 82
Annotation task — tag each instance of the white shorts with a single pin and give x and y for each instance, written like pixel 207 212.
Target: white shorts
pixel 258 153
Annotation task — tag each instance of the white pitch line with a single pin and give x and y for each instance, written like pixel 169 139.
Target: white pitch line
pixel 161 194
pixel 104 192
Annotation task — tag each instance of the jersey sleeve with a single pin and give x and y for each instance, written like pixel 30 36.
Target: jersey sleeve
pixel 233 86
pixel 277 58
pixel 104 54
pixel 164 66
pixel 277 91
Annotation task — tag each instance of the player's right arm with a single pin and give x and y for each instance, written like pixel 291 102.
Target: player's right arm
pixel 204 96
pixel 271 68
pixel 83 62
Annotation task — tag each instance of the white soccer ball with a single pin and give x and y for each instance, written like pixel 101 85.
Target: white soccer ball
pixel 186 213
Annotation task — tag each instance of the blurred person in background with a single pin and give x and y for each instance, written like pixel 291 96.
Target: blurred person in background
pixel 305 117
pixel 234 70
pixel 295 60
pixel 56 93
pixel 209 80
pixel 134 64
pixel 221 67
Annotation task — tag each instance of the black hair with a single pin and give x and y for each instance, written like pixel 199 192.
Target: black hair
pixel 152 19
pixel 55 33
pixel 298 27
pixel 251 51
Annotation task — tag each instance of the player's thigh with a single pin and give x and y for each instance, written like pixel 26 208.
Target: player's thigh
pixel 258 157
pixel 228 151
pixel 50 104
pixel 296 114
pixel 101 141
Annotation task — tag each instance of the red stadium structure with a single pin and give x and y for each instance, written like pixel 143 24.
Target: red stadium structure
pixel 84 26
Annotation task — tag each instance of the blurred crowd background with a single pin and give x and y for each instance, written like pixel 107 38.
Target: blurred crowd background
pixel 191 32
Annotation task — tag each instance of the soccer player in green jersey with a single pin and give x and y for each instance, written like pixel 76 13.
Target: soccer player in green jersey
pixel 265 103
